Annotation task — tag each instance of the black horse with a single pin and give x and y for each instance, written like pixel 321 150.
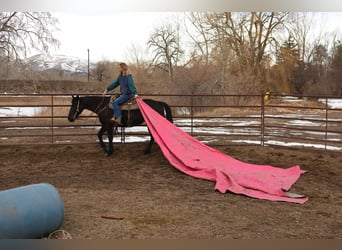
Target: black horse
pixel 99 105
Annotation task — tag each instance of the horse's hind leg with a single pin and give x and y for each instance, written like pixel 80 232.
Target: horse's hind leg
pixel 149 145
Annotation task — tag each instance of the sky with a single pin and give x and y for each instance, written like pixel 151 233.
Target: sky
pixel 110 36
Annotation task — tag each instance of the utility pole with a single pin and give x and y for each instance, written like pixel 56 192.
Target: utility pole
pixel 88 66
pixel 7 66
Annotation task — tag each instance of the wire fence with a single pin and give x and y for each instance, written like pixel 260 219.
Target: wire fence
pixel 278 120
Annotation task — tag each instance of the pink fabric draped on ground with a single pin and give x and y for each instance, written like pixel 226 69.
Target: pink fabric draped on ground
pixel 200 161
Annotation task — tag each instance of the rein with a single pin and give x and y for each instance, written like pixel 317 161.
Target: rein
pixel 99 105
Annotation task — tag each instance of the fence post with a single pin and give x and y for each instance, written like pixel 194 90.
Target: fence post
pixel 192 114
pixel 52 120
pixel 262 119
pixel 326 123
pixel 123 135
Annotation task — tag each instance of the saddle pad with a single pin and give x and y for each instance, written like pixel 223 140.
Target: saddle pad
pixel 129 106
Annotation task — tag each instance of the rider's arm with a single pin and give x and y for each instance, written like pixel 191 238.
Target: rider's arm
pixel 113 85
pixel 131 85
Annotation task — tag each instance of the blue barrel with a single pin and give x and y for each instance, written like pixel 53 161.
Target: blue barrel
pixel 30 212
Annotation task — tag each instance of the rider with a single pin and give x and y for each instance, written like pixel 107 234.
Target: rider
pixel 127 90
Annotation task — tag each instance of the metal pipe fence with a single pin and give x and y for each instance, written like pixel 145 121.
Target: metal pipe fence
pixel 282 120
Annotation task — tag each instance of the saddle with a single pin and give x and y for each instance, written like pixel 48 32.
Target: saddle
pixel 129 105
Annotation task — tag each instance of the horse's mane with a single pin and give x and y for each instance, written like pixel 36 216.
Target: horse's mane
pixel 96 98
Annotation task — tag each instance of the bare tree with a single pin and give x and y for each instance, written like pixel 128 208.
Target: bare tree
pixel 140 66
pixel 166 48
pixel 300 27
pixel 200 37
pixel 99 70
pixel 320 59
pixel 22 31
pixel 239 44
pixel 288 62
pixel 336 68
pixel 249 35
pixel 105 70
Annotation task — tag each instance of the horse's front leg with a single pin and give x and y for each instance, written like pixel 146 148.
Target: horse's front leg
pixel 100 136
pixel 110 140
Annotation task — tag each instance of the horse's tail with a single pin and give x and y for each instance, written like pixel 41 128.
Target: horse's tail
pixel 168 112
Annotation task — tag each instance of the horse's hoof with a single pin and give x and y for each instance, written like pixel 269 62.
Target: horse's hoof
pixel 108 153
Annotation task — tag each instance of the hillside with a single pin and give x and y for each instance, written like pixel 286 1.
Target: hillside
pixel 50 87
pixel 69 65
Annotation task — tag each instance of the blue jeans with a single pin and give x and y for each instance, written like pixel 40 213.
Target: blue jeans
pixel 120 100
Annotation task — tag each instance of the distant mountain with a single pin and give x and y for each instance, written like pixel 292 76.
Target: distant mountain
pixel 67 64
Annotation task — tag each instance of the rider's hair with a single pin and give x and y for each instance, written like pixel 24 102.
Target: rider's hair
pixel 125 68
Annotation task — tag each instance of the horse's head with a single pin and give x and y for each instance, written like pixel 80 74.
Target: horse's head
pixel 75 109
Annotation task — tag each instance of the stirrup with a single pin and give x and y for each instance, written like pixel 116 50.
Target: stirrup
pixel 116 121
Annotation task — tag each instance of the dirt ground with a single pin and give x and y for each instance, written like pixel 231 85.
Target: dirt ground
pixel 157 201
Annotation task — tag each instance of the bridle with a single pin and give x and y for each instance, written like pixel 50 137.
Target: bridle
pixel 77 109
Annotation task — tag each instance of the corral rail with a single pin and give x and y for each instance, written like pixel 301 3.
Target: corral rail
pixel 282 120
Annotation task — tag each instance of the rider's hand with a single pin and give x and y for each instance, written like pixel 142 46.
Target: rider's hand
pixel 136 96
pixel 104 92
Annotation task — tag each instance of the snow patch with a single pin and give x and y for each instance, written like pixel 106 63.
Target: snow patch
pixel 332 103
pixel 20 111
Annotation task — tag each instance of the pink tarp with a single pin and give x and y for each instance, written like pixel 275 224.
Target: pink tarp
pixel 200 161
